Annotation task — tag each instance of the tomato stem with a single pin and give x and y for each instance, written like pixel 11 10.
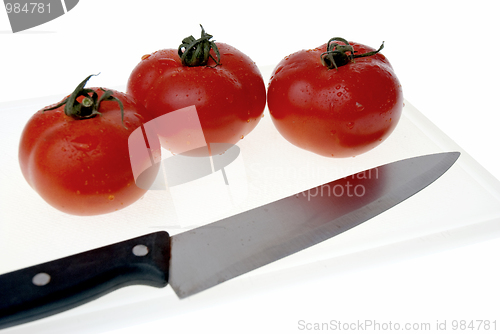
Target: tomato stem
pixel 196 52
pixel 89 106
pixel 336 55
pixel 87 102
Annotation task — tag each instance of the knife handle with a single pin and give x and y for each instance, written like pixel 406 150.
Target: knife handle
pixel 49 288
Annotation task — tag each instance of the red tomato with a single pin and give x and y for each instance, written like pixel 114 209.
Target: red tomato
pixel 224 84
pixel 335 112
pixel 75 154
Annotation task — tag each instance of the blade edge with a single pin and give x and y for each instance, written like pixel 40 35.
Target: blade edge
pixel 185 287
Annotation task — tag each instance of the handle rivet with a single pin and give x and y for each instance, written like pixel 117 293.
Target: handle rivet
pixel 41 279
pixel 140 250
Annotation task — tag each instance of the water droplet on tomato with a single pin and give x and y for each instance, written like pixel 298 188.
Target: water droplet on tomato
pixel 339 94
pixel 111 197
pixel 338 87
pixel 360 106
pixel 145 57
pixel 350 125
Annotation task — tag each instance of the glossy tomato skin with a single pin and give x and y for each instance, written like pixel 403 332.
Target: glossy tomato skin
pixel 335 113
pixel 82 166
pixel 230 98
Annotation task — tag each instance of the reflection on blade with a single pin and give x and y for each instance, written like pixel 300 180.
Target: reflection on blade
pixel 214 253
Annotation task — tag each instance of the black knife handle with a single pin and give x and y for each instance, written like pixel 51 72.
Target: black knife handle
pixel 49 288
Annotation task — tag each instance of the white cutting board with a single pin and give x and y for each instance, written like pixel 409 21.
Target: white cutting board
pixel 460 208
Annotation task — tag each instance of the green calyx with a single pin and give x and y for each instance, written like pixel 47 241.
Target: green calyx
pixel 337 55
pixel 89 105
pixel 196 52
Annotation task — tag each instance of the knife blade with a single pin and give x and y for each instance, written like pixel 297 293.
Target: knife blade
pixel 201 258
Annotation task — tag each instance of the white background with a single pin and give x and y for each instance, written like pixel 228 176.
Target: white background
pixel 445 54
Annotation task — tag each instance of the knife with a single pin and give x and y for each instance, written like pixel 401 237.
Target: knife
pixel 201 258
